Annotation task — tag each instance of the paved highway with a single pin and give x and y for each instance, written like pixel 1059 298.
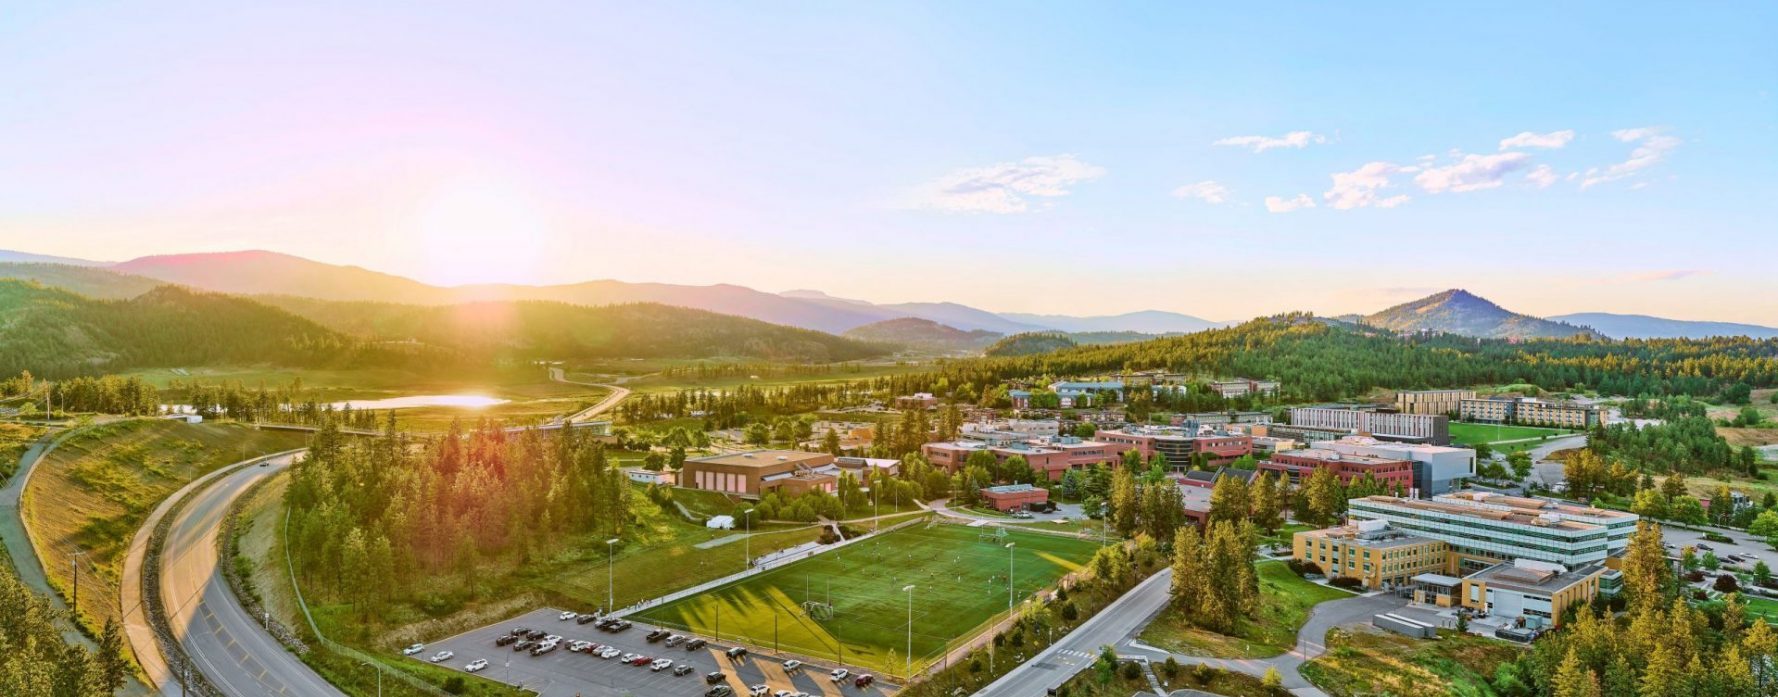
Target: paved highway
pixel 1074 652
pixel 229 646
pixel 618 393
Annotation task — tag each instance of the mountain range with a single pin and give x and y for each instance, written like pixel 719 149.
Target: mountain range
pixel 262 273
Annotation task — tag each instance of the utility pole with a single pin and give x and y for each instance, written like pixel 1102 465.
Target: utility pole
pixel 1009 574
pixel 747 540
pixel 908 671
pixel 74 561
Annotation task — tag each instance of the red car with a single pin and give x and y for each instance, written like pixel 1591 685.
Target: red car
pixel 641 661
pixel 863 680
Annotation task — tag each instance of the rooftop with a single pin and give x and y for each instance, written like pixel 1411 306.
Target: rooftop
pixel 1507 509
pixel 1532 577
pixel 765 458
pixel 1336 456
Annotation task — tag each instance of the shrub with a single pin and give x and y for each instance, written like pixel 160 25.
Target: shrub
pixel 1130 671
pixel 455 685
pixel 1348 582
pixel 1303 568
pixel 1726 584
pixel 1170 668
pixel 1718 537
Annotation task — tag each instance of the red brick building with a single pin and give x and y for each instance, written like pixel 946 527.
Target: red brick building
pixel 1179 446
pixel 1013 496
pixel 1297 464
pixel 1050 457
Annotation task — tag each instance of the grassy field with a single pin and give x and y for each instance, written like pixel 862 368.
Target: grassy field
pixel 647 380
pixel 1284 603
pixel 89 496
pixel 960 584
pixel 15 439
pixel 1470 433
pixel 1366 661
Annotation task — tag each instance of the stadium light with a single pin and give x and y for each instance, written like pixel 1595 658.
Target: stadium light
pixel 1009 546
pixel 909 670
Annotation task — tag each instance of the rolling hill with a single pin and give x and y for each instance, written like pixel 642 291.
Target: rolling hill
pixel 923 334
pixel 1030 344
pixel 1460 312
pixel 1145 321
pixel 1646 327
pixel 84 280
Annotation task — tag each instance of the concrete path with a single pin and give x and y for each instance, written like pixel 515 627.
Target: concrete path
pixel 18 540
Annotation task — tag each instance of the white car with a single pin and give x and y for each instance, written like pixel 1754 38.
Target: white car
pixel 757 691
pixel 552 639
pixel 567 615
pixel 783 693
pixel 661 665
pixel 839 674
pixel 476 665
pixel 627 657
pixel 609 652
pixel 578 646
pixel 442 656
pixel 792 665
pixel 413 650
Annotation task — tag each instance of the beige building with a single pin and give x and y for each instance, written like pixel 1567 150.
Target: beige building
pixel 1530 412
pixel 1536 593
pixel 753 474
pixel 1376 555
pixel 1431 401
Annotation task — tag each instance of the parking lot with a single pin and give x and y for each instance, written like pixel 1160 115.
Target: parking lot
pixel 562 673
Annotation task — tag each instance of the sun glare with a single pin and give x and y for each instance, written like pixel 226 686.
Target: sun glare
pixel 481 230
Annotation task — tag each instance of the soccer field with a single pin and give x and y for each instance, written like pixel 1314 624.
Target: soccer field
pixel 959 579
pixel 1496 433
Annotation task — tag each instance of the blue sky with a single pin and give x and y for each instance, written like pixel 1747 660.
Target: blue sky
pixel 1047 157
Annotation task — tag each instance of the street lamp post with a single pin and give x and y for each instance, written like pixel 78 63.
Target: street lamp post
pixel 747 540
pixel 1009 574
pixel 908 675
pixel 610 576
pixel 379 670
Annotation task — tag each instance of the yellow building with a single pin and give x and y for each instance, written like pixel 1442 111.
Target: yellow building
pixel 1431 401
pixel 1537 593
pixel 1376 555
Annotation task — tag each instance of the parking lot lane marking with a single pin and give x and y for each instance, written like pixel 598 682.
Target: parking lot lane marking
pixel 829 688
pixel 729 670
pixel 776 678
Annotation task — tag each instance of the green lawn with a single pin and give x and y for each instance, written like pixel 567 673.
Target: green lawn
pixel 1366 661
pixel 960 584
pixel 1471 433
pixel 1284 603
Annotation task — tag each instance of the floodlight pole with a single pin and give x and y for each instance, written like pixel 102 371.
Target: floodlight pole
pixel 1009 574
pixel 610 576
pixel 909 675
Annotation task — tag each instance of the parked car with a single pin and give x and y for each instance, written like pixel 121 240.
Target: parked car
pixel 673 640
pixel 696 644
pixel 682 669
pixel 719 691
pixel 657 635
pixel 578 646
pixel 442 656
pixel 642 661
pixel 713 677
pixel 536 634
pixel 505 640
pixel 620 625
pixel 476 665
pixel 566 615
pixel 839 675
pixel 413 649
pixel 524 644
pixel 792 666
pixel 518 631
pixel 757 691
pixel 864 680
pixel 627 657
pixel 543 648
pixel 661 664
pixel 737 652
pixel 585 617
pixel 609 652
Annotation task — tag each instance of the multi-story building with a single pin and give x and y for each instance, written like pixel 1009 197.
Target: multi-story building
pixel 1484 529
pixel 1530 412
pixel 1438 469
pixel 1179 445
pixel 755 473
pixel 1219 418
pixel 1418 428
pixel 1014 496
pixel 918 400
pixel 1081 393
pixel 1431 401
pixel 1242 387
pixel 1535 593
pixel 1050 456
pixel 1393 474
pixel 1371 551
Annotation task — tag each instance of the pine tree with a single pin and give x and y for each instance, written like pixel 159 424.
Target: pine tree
pixel 1573 679
pixel 1646 574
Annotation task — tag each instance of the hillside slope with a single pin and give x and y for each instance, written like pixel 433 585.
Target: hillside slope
pixel 1646 327
pixel 917 333
pixel 1460 312
pixel 85 280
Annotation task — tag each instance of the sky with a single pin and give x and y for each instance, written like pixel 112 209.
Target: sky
pixel 1082 158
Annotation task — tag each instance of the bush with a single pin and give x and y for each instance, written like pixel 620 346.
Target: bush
pixel 1718 537
pixel 1130 670
pixel 455 685
pixel 1303 568
pixel 1170 668
pixel 1726 584
pixel 1347 582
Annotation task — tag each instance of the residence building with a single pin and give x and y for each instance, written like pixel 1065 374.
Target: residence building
pixel 1438 469
pixel 1013 497
pixel 1395 426
pixel 1431 401
pixel 757 472
pixel 1529 412
pixel 1179 445
pixel 1394 474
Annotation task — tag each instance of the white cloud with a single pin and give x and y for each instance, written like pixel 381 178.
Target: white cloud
pixel 1471 173
pixel 1543 176
pixel 1360 188
pixel 1652 146
pixel 1005 187
pixel 1293 139
pixel 1207 191
pixel 1278 204
pixel 1549 141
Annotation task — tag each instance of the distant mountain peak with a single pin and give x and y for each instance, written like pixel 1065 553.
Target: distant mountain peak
pixel 1458 311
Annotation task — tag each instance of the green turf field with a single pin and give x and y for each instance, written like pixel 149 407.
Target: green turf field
pixel 1471 433
pixel 959 579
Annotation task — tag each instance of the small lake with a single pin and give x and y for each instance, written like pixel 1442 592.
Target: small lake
pixel 466 401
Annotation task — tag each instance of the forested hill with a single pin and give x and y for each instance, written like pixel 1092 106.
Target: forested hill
pixel 1319 361
pixel 540 329
pixel 85 280
pixel 55 333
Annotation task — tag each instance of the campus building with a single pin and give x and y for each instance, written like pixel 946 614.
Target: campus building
pixel 1529 412
pixel 1535 593
pixel 1484 529
pixel 1393 474
pixel 1178 445
pixel 1438 469
pixel 1242 387
pixel 1431 401
pixel 1012 497
pixel 1049 456
pixel 1378 555
pixel 1417 428
pixel 755 473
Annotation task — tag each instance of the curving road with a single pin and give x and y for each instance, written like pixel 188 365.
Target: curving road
pixel 618 393
pixel 229 646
